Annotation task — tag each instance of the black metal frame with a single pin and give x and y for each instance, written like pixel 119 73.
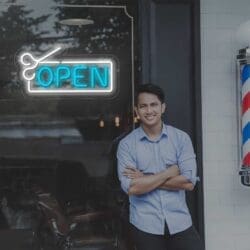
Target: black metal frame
pixel 145 77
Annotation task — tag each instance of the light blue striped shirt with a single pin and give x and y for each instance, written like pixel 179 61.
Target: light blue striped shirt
pixel 150 211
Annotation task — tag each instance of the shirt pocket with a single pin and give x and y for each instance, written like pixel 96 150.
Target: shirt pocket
pixel 169 158
pixel 145 159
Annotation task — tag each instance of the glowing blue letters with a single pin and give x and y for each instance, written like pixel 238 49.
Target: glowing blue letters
pixel 67 76
pixel 79 76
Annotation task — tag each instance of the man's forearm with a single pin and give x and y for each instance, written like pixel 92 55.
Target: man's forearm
pixel 147 183
pixel 177 183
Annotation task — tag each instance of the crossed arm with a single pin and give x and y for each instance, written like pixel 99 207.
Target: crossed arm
pixel 181 177
pixel 169 179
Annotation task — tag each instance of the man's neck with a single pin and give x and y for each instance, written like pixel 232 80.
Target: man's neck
pixel 153 132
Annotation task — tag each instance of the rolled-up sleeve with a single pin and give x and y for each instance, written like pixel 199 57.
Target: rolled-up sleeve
pixel 187 160
pixel 124 159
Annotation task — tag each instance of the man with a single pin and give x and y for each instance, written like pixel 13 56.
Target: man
pixel 156 164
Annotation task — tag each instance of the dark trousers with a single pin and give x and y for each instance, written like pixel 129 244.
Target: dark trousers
pixel 188 239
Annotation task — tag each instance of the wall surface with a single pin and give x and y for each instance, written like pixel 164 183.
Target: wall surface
pixel 227 202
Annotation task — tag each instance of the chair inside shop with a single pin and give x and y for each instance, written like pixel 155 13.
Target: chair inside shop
pixel 74 229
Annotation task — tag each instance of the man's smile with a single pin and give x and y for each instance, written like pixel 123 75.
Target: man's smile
pixel 150 117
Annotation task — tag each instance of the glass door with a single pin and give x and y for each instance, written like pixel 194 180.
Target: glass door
pixel 57 151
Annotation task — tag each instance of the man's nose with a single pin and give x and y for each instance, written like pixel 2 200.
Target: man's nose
pixel 149 109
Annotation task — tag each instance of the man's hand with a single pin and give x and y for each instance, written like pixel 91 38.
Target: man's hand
pixel 176 181
pixel 132 173
pixel 173 171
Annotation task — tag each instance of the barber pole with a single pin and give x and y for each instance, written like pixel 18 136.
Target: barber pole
pixel 243 94
pixel 245 77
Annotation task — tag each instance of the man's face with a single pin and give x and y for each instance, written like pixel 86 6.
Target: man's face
pixel 149 109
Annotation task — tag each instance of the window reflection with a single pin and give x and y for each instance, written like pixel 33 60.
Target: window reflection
pixel 37 28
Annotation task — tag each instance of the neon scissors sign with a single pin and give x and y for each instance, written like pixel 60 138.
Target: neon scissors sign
pixel 43 76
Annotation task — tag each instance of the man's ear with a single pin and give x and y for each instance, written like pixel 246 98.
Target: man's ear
pixel 136 111
pixel 163 107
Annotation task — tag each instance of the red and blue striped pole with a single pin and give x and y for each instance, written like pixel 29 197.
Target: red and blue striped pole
pixel 245 107
pixel 243 101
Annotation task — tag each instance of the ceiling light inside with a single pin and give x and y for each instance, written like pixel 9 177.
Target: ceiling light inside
pixel 76 21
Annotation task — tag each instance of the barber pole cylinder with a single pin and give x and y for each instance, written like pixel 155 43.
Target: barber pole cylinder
pixel 244 114
pixel 245 97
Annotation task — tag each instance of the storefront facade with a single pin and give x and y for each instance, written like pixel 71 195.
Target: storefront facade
pixel 57 148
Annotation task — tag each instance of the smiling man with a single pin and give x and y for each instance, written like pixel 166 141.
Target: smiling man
pixel 156 165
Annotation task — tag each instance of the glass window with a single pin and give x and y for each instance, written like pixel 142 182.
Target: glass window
pixel 58 152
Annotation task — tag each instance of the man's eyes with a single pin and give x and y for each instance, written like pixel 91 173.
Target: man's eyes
pixel 151 105
pixel 154 104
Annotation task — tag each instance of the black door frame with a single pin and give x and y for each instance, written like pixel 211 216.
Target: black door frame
pixel 144 24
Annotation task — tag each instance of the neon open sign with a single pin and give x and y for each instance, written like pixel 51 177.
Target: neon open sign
pixel 67 76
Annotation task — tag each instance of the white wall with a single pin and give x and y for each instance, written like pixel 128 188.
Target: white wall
pixel 227 202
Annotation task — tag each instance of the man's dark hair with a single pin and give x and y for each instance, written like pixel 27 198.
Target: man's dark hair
pixel 151 89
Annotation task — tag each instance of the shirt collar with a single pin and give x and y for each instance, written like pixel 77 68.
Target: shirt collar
pixel 143 135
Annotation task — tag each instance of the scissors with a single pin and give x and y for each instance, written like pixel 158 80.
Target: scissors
pixel 31 63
